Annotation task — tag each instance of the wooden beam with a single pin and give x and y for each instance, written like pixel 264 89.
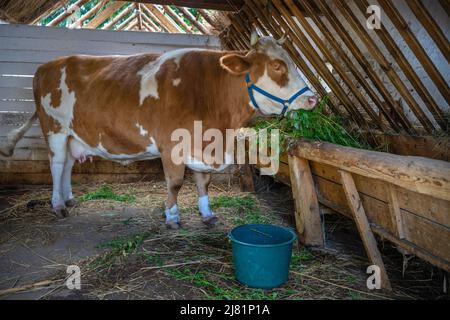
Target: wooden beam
pixel 105 14
pixel 87 15
pixel 139 16
pixel 396 214
pixel 117 18
pixel 307 212
pixel 193 20
pixel 415 46
pixel 66 13
pixel 148 20
pixel 427 176
pixel 385 65
pixel 298 33
pixel 175 17
pixel 224 5
pixel 319 65
pixel 407 69
pixel 126 22
pixel 367 237
pixel 433 29
pixel 263 25
pixel 132 24
pixel 168 24
pixel 358 56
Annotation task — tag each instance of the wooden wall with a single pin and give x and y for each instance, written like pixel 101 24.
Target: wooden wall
pixel 23 49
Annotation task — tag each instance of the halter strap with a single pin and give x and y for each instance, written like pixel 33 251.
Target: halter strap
pixel 285 102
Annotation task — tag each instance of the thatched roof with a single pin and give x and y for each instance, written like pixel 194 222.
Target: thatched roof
pixel 25 11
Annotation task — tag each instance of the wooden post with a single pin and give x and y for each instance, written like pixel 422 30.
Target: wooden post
pixel 246 178
pixel 396 214
pixel 307 214
pixel 367 237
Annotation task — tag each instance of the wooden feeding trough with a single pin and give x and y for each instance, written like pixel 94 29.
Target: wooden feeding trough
pixel 403 199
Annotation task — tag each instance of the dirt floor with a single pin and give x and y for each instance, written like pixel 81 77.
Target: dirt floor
pixel 116 235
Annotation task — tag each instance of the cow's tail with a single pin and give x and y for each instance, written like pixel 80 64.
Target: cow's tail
pixel 15 135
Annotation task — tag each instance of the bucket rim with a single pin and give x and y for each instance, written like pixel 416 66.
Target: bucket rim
pixel 290 230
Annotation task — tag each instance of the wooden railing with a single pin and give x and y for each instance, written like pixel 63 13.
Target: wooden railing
pixel 403 199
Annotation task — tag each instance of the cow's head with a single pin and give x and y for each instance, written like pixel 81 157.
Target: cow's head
pixel 271 69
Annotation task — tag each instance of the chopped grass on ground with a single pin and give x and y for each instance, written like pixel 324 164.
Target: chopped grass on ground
pixel 247 208
pixel 107 193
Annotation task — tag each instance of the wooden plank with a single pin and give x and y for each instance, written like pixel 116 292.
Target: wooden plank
pixel 399 22
pixel 168 24
pixel 16 93
pixel 407 69
pixel 376 53
pixel 193 20
pixel 356 54
pixel 18 68
pixel 224 5
pixel 16 82
pixel 431 177
pixel 34 132
pixel 364 229
pixel 396 214
pixel 307 213
pixel 175 17
pixel 17 106
pixel 117 18
pixel 298 35
pixel 105 14
pixel 66 13
pixel 22 33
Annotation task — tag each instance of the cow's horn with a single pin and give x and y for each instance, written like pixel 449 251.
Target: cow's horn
pixel 282 40
pixel 254 39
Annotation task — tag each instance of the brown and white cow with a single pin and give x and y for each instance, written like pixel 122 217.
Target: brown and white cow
pixel 124 108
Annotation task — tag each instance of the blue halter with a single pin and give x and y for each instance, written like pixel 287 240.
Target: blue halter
pixel 251 86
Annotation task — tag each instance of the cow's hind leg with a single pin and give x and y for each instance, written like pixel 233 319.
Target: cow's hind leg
pixel 58 147
pixel 68 197
pixel 202 181
pixel 174 175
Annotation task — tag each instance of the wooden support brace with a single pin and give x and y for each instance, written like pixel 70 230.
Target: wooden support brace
pixel 367 237
pixel 307 213
pixel 396 214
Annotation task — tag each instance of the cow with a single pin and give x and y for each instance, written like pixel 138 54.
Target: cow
pixel 124 108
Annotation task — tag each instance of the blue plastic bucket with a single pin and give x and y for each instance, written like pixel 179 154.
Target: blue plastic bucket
pixel 262 254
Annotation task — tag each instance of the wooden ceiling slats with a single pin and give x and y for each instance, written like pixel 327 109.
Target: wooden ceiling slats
pixel 175 17
pixel 282 10
pixel 294 10
pixel 168 24
pixel 294 54
pixel 193 20
pixel 364 64
pixel 105 14
pixel 66 13
pixel 320 66
pixel 385 65
pixel 117 18
pixel 433 29
pixel 362 80
pixel 416 47
pixel 407 69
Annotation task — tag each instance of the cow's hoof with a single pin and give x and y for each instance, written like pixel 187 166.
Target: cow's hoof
pixel 211 221
pixel 71 202
pixel 172 225
pixel 60 212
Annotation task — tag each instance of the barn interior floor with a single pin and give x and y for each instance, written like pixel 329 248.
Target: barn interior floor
pixel 118 239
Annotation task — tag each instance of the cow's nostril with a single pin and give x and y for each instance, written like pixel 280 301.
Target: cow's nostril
pixel 312 101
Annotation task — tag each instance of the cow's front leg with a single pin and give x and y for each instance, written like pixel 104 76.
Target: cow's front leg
pixel 174 175
pixel 202 181
pixel 58 147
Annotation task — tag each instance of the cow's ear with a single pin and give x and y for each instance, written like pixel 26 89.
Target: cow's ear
pixel 235 63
